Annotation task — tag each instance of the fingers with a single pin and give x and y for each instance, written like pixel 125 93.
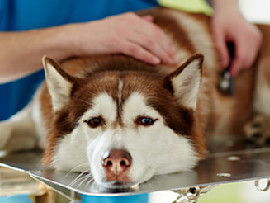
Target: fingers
pixel 242 56
pixel 151 38
pixel 246 49
pixel 230 25
pixel 128 34
pixel 221 46
pixel 151 46
pixel 138 52
pixel 148 18
pixel 163 46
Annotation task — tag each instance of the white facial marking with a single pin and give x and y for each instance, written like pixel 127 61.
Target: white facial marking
pixel 72 149
pixel 135 106
pixel 102 105
pixel 120 88
pixel 70 154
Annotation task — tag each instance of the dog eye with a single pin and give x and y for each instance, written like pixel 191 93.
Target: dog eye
pixel 145 121
pixel 94 122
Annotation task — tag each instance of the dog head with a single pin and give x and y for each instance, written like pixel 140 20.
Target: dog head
pixel 124 127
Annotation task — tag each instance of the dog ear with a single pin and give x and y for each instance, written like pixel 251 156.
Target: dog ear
pixel 184 83
pixel 59 83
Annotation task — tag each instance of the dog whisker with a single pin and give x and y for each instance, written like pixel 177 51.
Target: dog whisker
pixel 78 177
pixel 85 178
pixel 90 181
pixel 76 167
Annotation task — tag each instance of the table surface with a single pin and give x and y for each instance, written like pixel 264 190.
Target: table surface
pixel 226 162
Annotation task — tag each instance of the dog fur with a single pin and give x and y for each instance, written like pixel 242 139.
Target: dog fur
pixel 181 100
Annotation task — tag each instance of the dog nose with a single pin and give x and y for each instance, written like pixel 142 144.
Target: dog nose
pixel 117 163
pixel 118 158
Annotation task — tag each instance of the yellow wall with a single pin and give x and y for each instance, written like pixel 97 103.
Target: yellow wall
pixel 198 6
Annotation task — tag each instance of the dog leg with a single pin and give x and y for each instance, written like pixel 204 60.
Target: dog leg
pixel 18 132
pixel 258 129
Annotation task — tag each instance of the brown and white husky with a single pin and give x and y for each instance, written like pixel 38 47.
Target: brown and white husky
pixel 125 121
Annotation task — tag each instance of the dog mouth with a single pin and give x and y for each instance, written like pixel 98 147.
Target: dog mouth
pixel 117 184
pixel 114 186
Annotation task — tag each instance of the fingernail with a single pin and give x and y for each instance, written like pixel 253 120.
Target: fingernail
pixel 233 73
pixel 156 60
pixel 224 63
pixel 173 60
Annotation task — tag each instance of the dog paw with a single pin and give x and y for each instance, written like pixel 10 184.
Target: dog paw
pixel 258 130
pixel 5 133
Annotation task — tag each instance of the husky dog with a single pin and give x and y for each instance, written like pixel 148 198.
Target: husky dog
pixel 125 121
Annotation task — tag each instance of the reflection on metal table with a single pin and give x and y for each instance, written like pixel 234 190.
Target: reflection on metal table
pixel 225 163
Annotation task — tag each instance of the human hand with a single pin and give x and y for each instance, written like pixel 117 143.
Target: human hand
pixel 228 24
pixel 126 34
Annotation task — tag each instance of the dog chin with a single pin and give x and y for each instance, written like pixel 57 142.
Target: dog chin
pixel 110 186
pixel 116 185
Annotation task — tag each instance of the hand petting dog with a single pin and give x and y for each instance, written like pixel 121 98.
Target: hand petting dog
pixel 126 34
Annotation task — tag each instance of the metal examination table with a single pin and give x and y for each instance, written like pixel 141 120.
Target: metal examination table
pixel 226 162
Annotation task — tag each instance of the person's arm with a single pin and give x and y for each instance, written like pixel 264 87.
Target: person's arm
pixel 21 52
pixel 228 24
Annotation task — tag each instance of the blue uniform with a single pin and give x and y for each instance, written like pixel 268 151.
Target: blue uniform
pixel 18 15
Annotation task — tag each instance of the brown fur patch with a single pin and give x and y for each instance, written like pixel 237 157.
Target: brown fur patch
pixel 171 26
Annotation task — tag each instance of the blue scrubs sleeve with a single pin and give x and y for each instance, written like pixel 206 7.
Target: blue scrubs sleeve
pixel 32 14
